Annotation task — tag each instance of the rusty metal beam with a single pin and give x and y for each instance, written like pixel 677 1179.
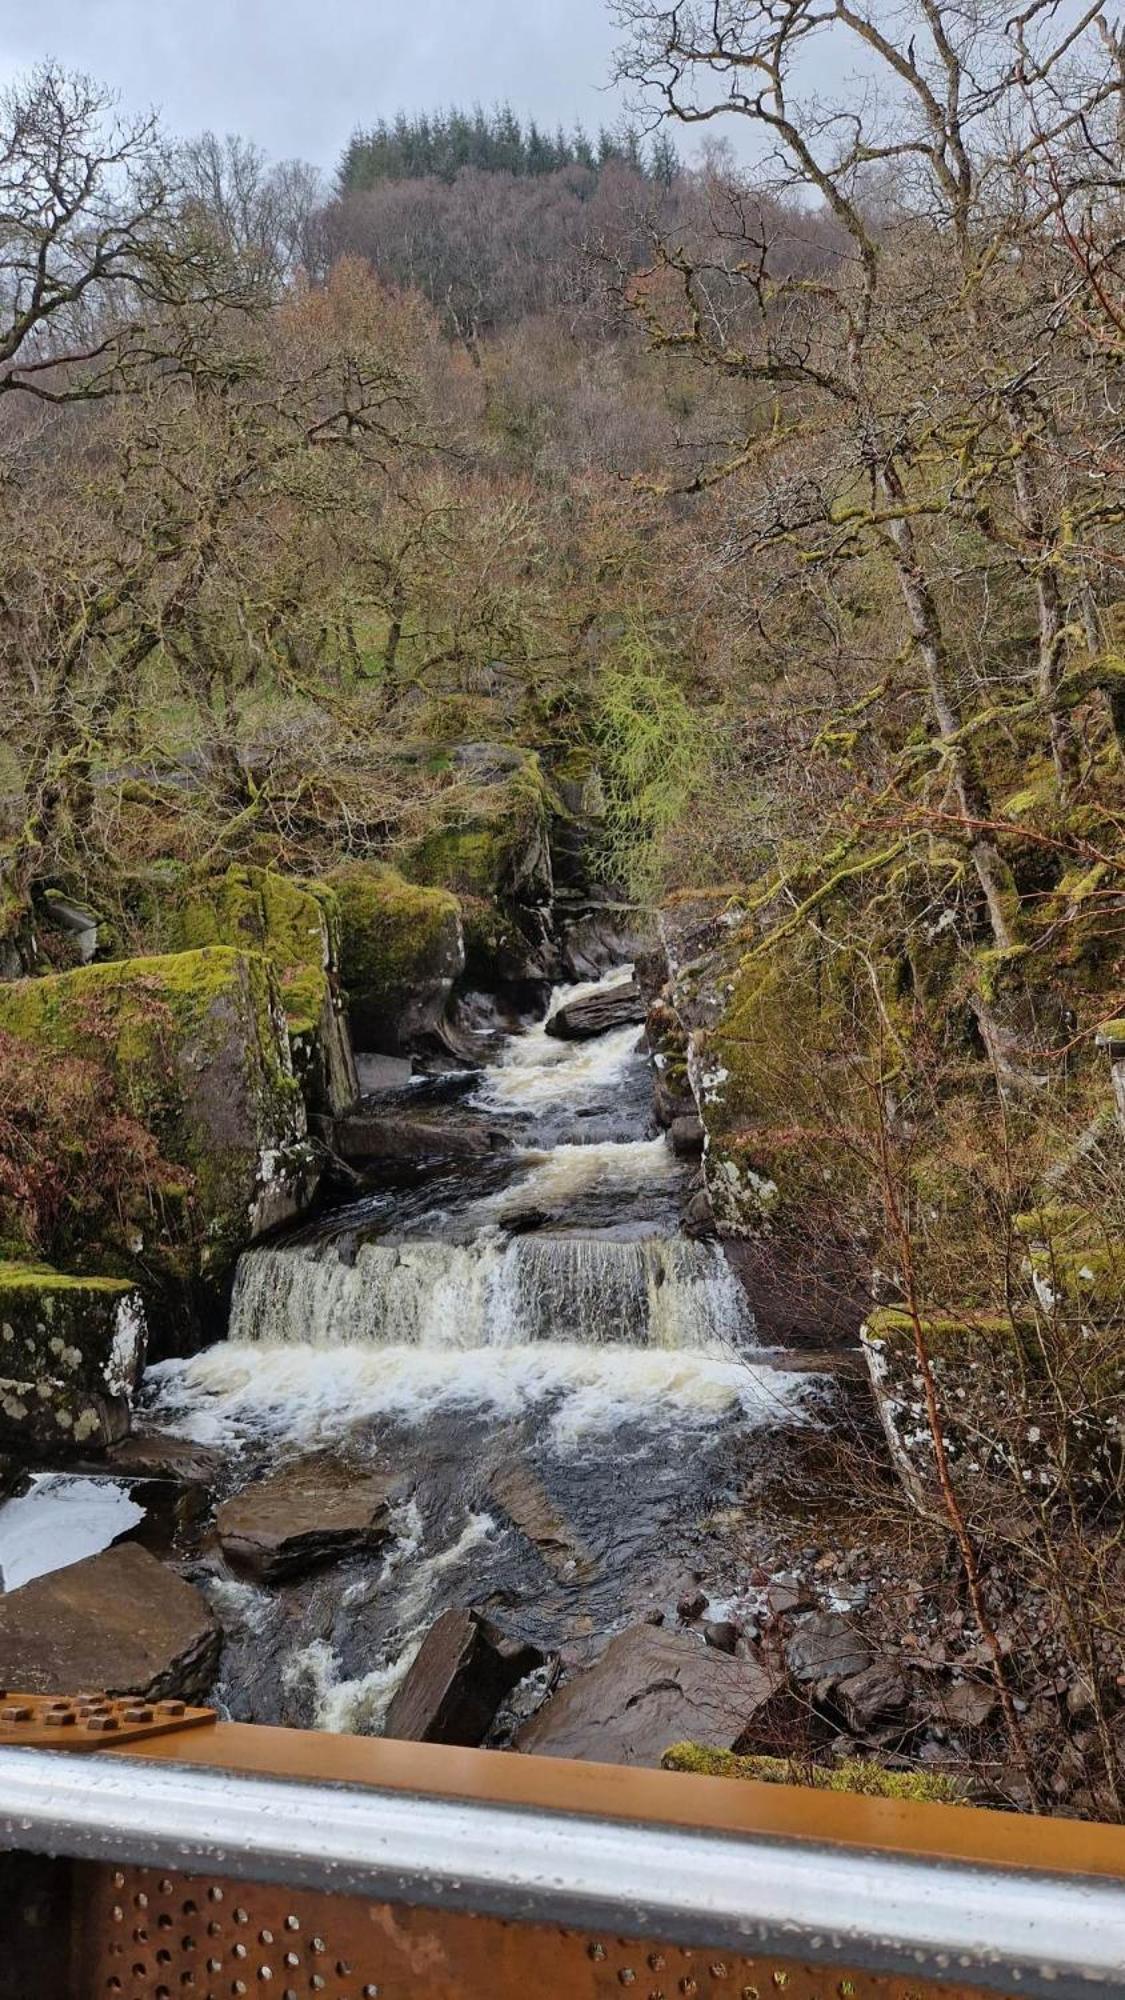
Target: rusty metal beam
pixel 943 1894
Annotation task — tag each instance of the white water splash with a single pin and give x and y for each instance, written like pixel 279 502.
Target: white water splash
pixel 357 1707
pixel 538 1070
pixel 61 1520
pixel 306 1397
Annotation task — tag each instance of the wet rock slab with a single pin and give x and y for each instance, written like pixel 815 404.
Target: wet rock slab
pixel 463 1672
pixel 652 1688
pixel 120 1621
pixel 309 1514
pixel 620 1006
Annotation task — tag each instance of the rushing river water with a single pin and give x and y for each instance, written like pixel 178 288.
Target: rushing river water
pixel 568 1386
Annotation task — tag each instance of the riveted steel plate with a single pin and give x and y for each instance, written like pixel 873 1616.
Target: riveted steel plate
pixel 91 1721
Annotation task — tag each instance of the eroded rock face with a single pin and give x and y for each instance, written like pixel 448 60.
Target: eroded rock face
pixel 304 1516
pixel 617 1007
pixel 71 1354
pixel 652 1688
pixel 463 1672
pixel 121 1622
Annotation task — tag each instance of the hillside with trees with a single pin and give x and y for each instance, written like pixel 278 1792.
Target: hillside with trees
pixel 723 549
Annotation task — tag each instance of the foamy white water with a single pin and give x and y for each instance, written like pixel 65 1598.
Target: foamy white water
pixel 537 1070
pixel 357 1705
pixel 60 1520
pixel 306 1397
pixel 493 1293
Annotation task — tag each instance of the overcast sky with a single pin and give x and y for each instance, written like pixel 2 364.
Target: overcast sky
pixel 299 75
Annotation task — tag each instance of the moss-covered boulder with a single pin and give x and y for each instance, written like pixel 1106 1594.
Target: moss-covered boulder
pixel 295 922
pixel 493 849
pixel 869 1781
pixel 71 1353
pixel 401 948
pixel 197 1046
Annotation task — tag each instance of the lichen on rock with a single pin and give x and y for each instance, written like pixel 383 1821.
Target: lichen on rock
pixel 71 1354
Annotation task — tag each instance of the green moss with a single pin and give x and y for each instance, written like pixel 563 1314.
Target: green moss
pixel 292 920
pixel 852 1775
pixel 468 859
pixel 195 1043
pixel 394 935
pixel 943 1333
pixel 39 1280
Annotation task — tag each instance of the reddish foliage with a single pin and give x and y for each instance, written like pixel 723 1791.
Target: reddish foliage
pixel 75 1168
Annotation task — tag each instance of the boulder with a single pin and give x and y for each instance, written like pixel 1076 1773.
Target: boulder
pixel 121 1622
pixel 686 1136
pixel 296 924
pixel 872 1696
pixel 410 1136
pixel 401 948
pixel 155 1455
pixel 197 1045
pixel 71 1354
pixel 303 1517
pixel 464 1670
pixel 620 1006
pixel 651 1688
pixel 827 1647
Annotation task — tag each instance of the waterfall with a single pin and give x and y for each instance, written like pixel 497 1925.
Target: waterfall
pixel 497 1292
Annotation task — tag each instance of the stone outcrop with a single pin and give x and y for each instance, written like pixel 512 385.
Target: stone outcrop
pixel 390 1134
pixel 121 1622
pixel 620 1006
pixel 652 1688
pixel 464 1670
pixel 496 856
pixel 754 1036
pixel 1001 1418
pixel 71 1354
pixel 401 948
pixel 296 924
pixel 196 1043
pixel 521 1493
pixel 303 1517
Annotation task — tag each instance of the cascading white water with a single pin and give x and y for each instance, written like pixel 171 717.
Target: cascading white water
pixel 497 1292
pixel 599 1316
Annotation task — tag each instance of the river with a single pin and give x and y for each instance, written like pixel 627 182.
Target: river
pixel 569 1388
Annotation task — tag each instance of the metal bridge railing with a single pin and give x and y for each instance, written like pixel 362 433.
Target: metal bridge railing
pixel 227 1860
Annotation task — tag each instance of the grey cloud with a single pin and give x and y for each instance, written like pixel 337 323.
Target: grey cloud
pixel 299 75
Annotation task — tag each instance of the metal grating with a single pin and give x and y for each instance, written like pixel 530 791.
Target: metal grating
pixel 141 1934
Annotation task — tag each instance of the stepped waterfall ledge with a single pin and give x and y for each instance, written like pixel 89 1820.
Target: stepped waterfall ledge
pixel 557 1384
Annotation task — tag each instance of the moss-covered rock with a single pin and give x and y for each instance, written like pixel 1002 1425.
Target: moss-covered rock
pixel 296 924
pixel 401 948
pixel 197 1045
pixel 869 1781
pixel 71 1353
